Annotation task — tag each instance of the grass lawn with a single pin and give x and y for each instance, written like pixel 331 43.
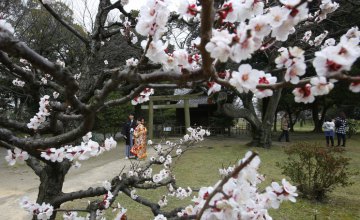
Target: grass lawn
pixel 199 167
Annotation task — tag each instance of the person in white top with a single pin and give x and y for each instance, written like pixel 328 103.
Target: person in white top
pixel 328 128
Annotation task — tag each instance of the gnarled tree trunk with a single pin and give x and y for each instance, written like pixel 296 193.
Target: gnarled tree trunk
pixel 52 179
pixel 261 129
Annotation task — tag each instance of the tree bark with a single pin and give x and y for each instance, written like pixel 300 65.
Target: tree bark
pixel 51 182
pixel 275 121
pixel 261 130
pixel 248 115
pixel 268 119
pixel 315 115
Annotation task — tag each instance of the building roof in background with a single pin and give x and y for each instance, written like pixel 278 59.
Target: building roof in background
pixel 200 100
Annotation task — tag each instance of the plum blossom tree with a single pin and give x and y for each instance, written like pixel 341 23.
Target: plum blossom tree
pixel 308 38
pixel 233 31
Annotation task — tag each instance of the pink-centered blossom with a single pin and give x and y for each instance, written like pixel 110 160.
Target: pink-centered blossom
pixel 326 7
pixel 241 10
pixel 245 79
pixel 294 62
pixel 355 87
pixel 188 9
pixel 320 86
pixel 17 82
pixel 332 60
pixel 213 87
pixel 303 94
pixel 153 17
pixel 265 79
pixel 307 36
pixel 244 44
pixel 218 47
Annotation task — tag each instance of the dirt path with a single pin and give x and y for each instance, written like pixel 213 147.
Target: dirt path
pixel 19 181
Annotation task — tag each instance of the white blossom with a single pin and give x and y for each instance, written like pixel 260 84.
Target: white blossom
pixel 17 82
pixel 328 42
pixel 304 94
pixel 163 202
pixel 44 80
pixel 320 86
pixel 355 87
pixel 265 79
pixel 326 7
pixel 290 2
pixel 134 39
pixel 293 59
pixel 16 155
pixel 332 60
pixel 307 36
pixel 60 63
pixel 213 87
pixel 143 97
pixel 55 95
pixel 40 117
pixel 153 17
pixel 245 79
pixel 187 9
pixel 6 27
pixel 133 194
pixel 243 201
pixel 73 216
pixel 43 211
pixel 132 62
pixel 218 47
pixel 121 213
pixel 319 39
pixel 241 10
pixel 107 185
pixel 178 151
pixel 160 217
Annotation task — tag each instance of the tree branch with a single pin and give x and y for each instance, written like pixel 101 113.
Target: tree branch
pixel 65 24
pixel 207 20
pixel 34 164
pixel 155 208
pixel 124 99
pixel 222 183
pixel 303 82
pixel 45 142
pixel 91 192
pixel 17 48
pixel 18 126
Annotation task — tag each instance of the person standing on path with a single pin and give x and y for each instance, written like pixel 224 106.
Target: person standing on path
pixel 329 127
pixel 128 130
pixel 285 122
pixel 139 148
pixel 340 129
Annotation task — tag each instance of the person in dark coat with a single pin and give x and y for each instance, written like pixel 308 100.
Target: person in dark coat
pixel 341 126
pixel 127 131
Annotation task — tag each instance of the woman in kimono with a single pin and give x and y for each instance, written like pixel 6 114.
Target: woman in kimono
pixel 139 148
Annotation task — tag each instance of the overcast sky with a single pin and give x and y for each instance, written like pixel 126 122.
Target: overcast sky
pixel 78 6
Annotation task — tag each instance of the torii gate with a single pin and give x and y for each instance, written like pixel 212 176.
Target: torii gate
pixel 186 107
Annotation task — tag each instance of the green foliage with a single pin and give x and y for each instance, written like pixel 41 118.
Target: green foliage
pixel 316 170
pixel 42 32
pixel 112 119
pixel 221 120
pixel 164 116
pixel 353 127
